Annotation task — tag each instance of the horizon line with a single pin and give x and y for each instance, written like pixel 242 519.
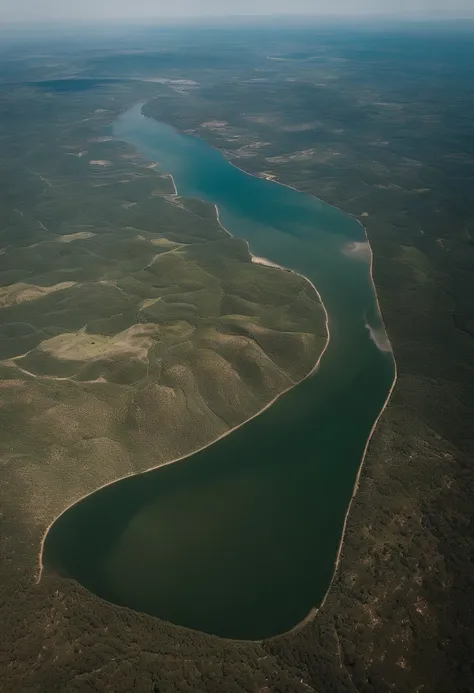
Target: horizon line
pixel 409 17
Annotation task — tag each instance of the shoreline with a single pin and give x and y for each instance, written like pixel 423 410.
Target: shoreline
pixel 315 609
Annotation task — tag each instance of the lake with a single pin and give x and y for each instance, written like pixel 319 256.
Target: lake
pixel 240 539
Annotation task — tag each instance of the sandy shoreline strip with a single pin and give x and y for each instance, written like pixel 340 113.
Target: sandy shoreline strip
pixel 314 610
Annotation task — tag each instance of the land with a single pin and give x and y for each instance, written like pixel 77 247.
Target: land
pixel 114 305
pixel 134 329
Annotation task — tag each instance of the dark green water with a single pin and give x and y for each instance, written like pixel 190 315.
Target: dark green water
pixel 240 539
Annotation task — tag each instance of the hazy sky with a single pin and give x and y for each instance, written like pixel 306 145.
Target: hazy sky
pixel 33 10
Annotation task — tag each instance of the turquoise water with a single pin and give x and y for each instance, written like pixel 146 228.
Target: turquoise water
pixel 240 539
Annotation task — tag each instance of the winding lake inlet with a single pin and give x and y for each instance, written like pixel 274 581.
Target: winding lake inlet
pixel 240 539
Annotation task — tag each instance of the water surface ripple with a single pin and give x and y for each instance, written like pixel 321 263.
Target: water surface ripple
pixel 240 539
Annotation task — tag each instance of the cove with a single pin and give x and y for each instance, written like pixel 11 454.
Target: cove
pixel 240 539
